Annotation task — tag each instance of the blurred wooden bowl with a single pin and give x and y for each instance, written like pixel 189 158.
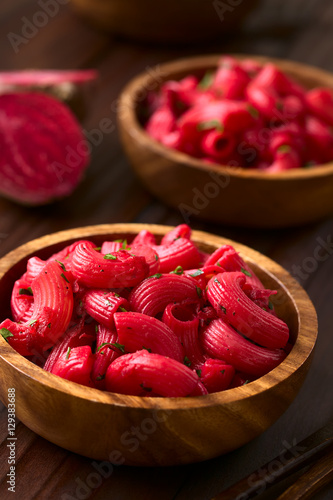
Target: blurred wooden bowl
pixel 170 430
pixel 170 21
pixel 233 196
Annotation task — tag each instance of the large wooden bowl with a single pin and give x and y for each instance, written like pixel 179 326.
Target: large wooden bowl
pixel 171 21
pixel 168 431
pixel 241 197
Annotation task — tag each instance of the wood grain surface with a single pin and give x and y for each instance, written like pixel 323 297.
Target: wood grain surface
pixel 111 193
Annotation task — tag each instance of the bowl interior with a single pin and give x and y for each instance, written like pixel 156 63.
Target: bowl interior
pixel 134 108
pixel 193 428
pixel 13 267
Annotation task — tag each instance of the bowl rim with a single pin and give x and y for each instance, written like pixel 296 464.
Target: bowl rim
pixel 142 83
pixel 294 361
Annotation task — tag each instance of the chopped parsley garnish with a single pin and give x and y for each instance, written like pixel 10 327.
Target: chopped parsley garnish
pixel 222 371
pixel 157 275
pixel 68 352
pixel 270 305
pixel 116 294
pixel 197 273
pixel 284 149
pixel 108 303
pixel 25 291
pixel 246 272
pixel 122 309
pixel 246 382
pixel 179 270
pixel 32 322
pixel 6 333
pixel 98 249
pixel 210 124
pixel 49 325
pixel 199 291
pixel 147 348
pixel 148 389
pixel 198 372
pixel 61 265
pixel 109 256
pixel 156 256
pixel 121 347
pixel 223 309
pixel 206 80
pixel 253 111
pixel 100 377
pixel 96 328
pixel 217 281
pixel 63 276
pixel 187 362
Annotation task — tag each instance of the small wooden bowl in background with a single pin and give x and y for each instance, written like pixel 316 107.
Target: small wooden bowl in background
pixel 232 196
pixel 167 21
pixel 175 430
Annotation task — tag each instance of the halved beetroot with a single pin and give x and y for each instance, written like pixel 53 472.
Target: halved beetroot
pixel 44 152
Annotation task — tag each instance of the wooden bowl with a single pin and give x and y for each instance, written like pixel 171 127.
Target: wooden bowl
pixel 241 197
pixel 170 431
pixel 171 21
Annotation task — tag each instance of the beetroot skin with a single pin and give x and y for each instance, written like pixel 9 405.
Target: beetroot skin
pixel 44 151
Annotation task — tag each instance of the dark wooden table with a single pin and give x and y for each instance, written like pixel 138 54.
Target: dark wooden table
pixel 111 193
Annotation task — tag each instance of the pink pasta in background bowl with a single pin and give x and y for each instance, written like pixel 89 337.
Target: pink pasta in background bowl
pixel 130 323
pixel 242 140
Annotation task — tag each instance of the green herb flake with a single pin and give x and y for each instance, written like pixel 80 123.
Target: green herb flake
pixel 100 377
pixel 148 389
pixel 206 80
pixel 121 347
pixel 157 275
pixel 217 281
pixel 80 303
pixel 222 371
pixel 97 249
pixel 108 303
pixel 124 244
pixel 198 372
pixel 49 325
pixel 63 276
pixel 199 291
pixel 187 362
pixel 246 272
pixel 61 265
pixel 25 291
pixel 6 333
pixel 284 148
pixel 253 112
pixel 246 382
pixel 211 124
pixel 179 270
pixel 116 294
pixel 96 328
pixel 109 256
pixel 218 264
pixel 223 309
pixel 32 322
pixel 197 273
pixel 238 299
pixel 122 309
pixel 147 348
pixel 156 256
pixel 68 352
pixel 270 305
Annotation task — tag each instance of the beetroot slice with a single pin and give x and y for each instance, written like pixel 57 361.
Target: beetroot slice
pixel 42 78
pixel 43 148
